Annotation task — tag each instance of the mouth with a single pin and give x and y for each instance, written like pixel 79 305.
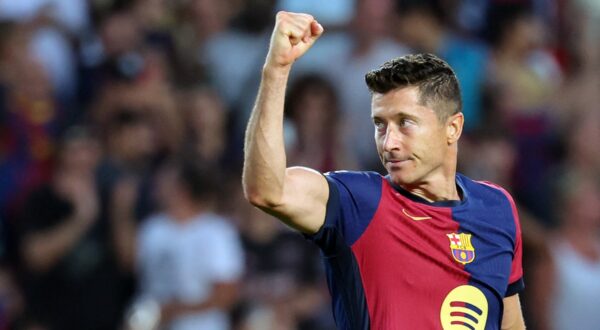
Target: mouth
pixel 396 161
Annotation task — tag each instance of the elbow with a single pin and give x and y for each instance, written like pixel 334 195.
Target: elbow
pixel 260 200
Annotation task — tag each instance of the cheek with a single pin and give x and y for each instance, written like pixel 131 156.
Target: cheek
pixel 429 146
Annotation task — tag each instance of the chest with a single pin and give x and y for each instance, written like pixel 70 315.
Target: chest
pixel 177 253
pixel 426 248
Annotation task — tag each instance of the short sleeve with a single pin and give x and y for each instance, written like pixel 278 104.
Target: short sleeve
pixel 353 200
pixel 515 280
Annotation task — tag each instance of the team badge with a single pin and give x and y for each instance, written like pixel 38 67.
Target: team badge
pixel 461 247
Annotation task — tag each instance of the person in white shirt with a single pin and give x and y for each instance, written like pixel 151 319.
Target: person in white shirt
pixel 189 258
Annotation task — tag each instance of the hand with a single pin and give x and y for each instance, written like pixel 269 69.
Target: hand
pixel 171 311
pixel 292 36
pixel 86 202
pixel 82 194
pixel 124 196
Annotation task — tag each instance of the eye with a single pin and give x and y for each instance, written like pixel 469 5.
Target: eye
pixel 404 122
pixel 378 124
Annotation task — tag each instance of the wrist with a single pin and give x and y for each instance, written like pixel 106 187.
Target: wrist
pixel 276 71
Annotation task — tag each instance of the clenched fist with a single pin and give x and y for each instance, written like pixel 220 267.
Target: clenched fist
pixel 292 36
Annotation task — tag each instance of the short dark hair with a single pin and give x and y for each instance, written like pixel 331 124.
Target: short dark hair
pixel 435 79
pixel 199 180
pixel 435 8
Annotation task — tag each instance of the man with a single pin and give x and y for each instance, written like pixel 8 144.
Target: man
pixel 190 259
pixel 71 276
pixel 422 248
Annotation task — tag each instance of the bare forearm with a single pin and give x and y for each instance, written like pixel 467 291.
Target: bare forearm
pixel 125 240
pixel 43 250
pixel 513 316
pixel 264 158
pixel 224 296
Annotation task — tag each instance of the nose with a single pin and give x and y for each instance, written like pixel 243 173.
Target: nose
pixel 391 140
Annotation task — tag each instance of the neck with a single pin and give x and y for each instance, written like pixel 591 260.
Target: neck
pixel 436 191
pixel 184 211
pixel 437 187
pixel 584 241
pixel 580 234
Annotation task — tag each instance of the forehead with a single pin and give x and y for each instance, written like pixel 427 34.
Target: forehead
pixel 400 101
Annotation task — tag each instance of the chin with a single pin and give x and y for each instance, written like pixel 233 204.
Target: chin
pixel 401 178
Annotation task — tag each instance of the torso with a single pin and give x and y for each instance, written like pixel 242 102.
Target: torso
pixel 425 265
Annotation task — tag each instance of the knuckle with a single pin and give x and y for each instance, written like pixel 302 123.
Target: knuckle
pixel 309 17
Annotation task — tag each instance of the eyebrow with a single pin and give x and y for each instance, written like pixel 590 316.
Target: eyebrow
pixel 400 115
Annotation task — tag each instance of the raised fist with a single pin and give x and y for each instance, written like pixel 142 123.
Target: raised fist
pixel 292 36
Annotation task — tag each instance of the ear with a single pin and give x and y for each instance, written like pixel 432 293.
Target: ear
pixel 454 127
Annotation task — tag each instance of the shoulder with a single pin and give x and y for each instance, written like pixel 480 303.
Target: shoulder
pixel 359 187
pixel 353 200
pixel 493 202
pixel 486 191
pixel 153 225
pixel 354 179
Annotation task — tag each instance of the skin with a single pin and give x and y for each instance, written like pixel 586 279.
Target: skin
pixel 418 150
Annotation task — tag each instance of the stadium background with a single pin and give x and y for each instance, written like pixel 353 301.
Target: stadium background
pixel 145 80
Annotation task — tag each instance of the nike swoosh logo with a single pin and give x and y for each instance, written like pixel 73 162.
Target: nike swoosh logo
pixel 415 218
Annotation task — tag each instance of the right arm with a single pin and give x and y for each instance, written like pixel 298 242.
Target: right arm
pixel 297 195
pixel 43 249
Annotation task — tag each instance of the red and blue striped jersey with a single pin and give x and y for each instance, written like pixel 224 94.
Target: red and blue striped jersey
pixel 395 261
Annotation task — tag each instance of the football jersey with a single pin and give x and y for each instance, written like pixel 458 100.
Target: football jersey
pixel 396 261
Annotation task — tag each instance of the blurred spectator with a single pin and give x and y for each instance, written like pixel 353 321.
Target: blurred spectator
pixel 490 157
pixel 537 261
pixel 30 118
pixel 583 156
pixel 422 25
pixel 70 274
pixel 368 44
pixel 54 24
pixel 199 22
pixel 11 302
pixel 313 109
pixel 71 15
pixel 333 13
pixel 189 258
pixel 523 76
pixel 206 125
pixel 284 286
pixel 157 78
pixel 141 128
pixel 233 57
pixel 575 250
pixel 580 90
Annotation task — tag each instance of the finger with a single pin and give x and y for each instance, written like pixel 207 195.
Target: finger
pixel 303 23
pixel 316 29
pixel 307 16
pixel 307 35
pixel 295 40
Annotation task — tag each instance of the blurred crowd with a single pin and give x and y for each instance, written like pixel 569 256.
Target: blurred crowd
pixel 121 144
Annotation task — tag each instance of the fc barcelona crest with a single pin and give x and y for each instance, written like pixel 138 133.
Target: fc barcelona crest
pixel 461 247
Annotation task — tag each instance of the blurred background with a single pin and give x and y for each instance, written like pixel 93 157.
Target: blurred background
pixel 121 135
